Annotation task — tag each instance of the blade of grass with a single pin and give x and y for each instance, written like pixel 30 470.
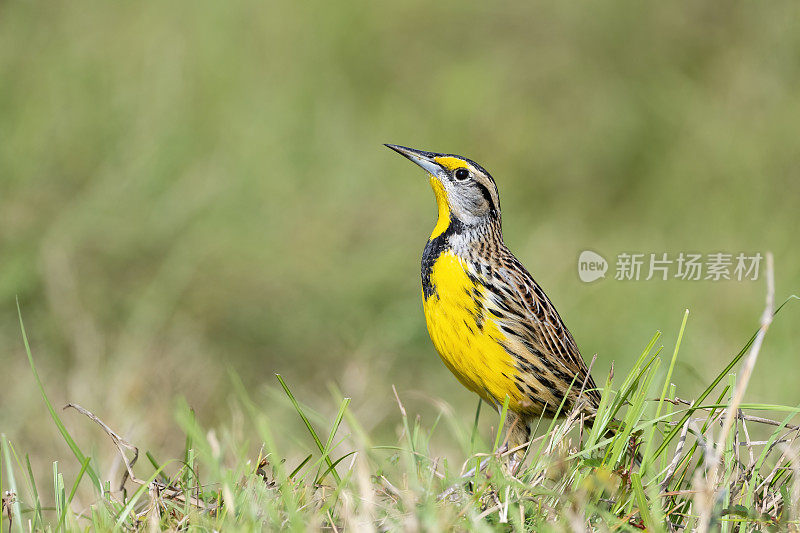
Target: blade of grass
pixel 474 433
pixel 187 452
pixel 415 432
pixel 638 369
pixel 429 434
pixel 301 465
pixel 334 428
pixel 58 489
pixel 603 416
pixel 665 388
pixel 190 472
pixel 337 461
pixel 63 517
pixel 633 384
pixel 728 454
pixel 310 428
pixel 641 502
pixel 154 462
pixel 501 425
pixel 670 410
pixel 633 414
pixel 53 414
pixel 30 480
pixel 37 515
pixel 12 486
pixel 411 453
pixel 352 423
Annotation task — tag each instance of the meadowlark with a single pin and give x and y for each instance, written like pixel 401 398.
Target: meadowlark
pixel 492 324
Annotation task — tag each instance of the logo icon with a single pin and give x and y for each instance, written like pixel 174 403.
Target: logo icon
pixel 591 266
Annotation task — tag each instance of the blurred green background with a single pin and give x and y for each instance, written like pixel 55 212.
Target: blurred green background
pixel 190 188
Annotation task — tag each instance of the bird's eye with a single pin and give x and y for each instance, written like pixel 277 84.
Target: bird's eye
pixel 462 174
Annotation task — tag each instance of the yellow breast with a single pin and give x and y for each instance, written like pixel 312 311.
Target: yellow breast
pixel 467 340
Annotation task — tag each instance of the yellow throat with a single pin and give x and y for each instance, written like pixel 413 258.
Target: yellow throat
pixel 444 208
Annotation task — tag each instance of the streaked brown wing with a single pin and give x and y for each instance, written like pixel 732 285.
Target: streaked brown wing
pixel 547 356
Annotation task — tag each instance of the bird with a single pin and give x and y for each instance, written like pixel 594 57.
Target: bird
pixel 492 324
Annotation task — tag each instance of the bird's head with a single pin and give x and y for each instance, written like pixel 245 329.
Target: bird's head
pixel 464 191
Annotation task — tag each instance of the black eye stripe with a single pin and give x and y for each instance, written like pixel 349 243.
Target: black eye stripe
pixel 486 194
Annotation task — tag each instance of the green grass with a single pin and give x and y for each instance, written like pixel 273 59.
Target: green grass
pixel 573 476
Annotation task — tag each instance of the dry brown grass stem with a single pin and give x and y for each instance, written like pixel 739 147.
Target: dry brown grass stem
pixel 158 488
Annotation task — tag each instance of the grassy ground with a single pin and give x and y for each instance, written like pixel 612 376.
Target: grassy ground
pixel 189 188
pixel 715 463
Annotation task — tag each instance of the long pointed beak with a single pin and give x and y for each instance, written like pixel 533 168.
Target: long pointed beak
pixel 423 159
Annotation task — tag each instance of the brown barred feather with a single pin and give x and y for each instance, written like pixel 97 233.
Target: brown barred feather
pixel 544 351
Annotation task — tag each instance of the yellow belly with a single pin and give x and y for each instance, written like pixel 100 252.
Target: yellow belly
pixel 468 344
